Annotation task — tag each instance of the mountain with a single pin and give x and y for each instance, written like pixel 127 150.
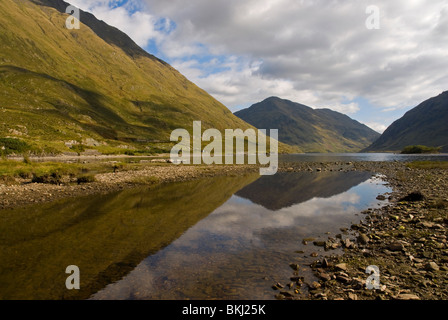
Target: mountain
pixel 426 124
pixel 91 86
pixel 312 130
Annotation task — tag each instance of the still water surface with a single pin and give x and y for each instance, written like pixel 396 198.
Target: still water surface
pixel 318 157
pixel 215 238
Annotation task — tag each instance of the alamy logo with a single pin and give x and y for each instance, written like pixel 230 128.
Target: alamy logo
pixel 373 20
pixel 212 153
pixel 72 21
pixel 373 281
pixel 72 281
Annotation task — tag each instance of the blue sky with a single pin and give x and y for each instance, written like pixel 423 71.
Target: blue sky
pixel 315 52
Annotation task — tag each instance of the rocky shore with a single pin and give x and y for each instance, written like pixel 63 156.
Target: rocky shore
pixel 18 191
pixel 398 251
pixel 23 192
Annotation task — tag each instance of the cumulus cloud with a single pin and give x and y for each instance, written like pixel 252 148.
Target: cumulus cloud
pixel 315 52
pixel 130 17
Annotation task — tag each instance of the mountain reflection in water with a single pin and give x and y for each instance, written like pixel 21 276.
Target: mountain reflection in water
pixel 286 189
pixel 242 248
pixel 105 236
pixel 215 238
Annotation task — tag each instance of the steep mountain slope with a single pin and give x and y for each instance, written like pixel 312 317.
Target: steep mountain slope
pixel 313 130
pixel 426 124
pixel 60 86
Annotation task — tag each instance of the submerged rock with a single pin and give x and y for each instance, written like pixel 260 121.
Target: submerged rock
pixel 413 196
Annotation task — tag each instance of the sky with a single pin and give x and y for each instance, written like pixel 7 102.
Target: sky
pixel 372 60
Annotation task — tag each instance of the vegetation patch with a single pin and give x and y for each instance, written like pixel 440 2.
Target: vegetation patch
pixel 146 180
pixel 53 178
pixel 88 178
pixel 78 148
pixel 419 149
pixel 13 146
pixel 428 165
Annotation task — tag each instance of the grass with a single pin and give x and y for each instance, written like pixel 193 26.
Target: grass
pixel 428 165
pixel 12 145
pixel 56 172
pixel 86 178
pixel 146 180
pixel 61 85
pixel 21 169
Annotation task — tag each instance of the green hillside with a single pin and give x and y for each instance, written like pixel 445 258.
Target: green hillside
pixel 93 86
pixel 426 124
pixel 312 130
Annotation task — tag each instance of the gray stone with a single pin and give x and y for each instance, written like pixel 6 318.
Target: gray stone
pixel 319 243
pixel 407 296
pixel 343 278
pixel 363 239
pixel 324 276
pixel 395 246
pixel 341 266
pixel 432 266
pixel 315 285
pixel 278 286
pixel 352 296
pixel 295 266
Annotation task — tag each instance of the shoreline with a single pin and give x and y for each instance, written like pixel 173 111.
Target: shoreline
pixel 25 192
pixel 406 239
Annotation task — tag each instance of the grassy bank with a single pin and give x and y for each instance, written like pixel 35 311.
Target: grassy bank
pixel 428 165
pixel 15 172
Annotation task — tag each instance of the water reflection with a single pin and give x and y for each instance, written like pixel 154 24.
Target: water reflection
pixel 285 189
pixel 242 248
pixel 106 236
pixel 217 238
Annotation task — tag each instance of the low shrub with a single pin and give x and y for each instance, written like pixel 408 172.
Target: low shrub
pixel 420 149
pixel 13 146
pixel 86 179
pixel 52 178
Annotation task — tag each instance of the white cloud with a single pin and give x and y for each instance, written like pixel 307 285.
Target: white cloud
pixel 378 127
pixel 314 52
pixel 130 18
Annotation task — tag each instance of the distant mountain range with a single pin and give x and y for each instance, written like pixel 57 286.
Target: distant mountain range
pixel 426 124
pixel 312 130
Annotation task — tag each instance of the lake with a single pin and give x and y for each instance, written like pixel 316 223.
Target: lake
pixel 325 157
pixel 214 238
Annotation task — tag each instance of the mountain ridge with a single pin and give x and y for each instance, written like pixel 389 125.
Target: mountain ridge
pixel 62 87
pixel 312 130
pixel 425 124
